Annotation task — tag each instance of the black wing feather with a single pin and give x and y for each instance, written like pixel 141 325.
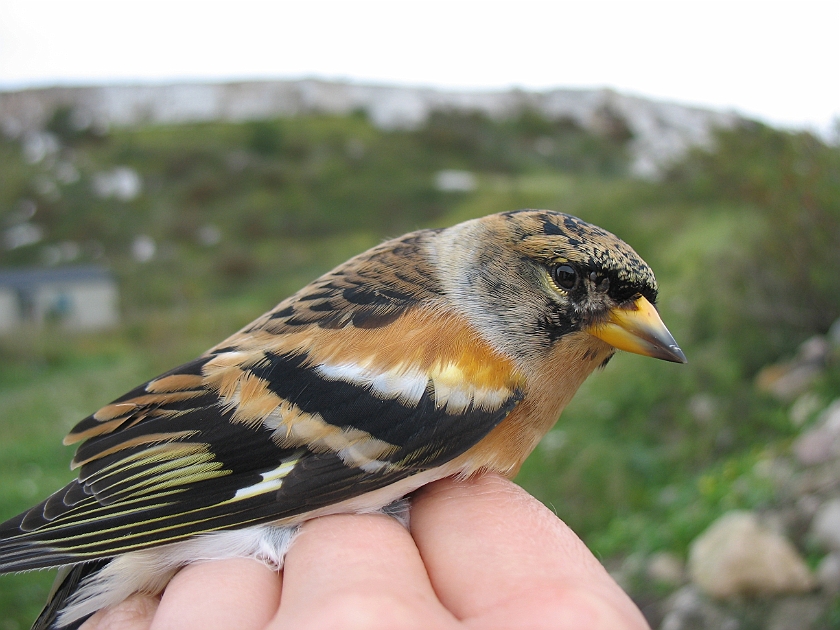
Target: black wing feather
pixel 106 512
pixel 171 459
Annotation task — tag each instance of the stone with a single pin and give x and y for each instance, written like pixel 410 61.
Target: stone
pixel 821 442
pixel 813 350
pixel 833 335
pixel 455 181
pixel 666 568
pixel 736 556
pixel 786 381
pixel 825 528
pixel 822 480
pixel 662 132
pixel 828 574
pixel 794 613
pixel 703 408
pixel 807 506
pixel 687 609
pixel 777 470
pixel 804 407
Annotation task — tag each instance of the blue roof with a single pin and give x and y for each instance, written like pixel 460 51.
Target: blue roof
pixel 26 278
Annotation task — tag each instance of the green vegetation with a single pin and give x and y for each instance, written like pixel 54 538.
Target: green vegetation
pixel 745 240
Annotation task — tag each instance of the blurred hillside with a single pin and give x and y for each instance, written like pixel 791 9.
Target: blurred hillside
pixel 660 131
pixel 208 224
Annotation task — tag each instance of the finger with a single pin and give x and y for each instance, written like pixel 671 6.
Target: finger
pixel 237 593
pixel 134 613
pixel 357 571
pixel 498 558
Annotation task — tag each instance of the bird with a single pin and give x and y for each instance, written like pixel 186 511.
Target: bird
pixel 443 352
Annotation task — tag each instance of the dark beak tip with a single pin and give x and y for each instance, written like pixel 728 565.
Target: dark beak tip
pixel 676 355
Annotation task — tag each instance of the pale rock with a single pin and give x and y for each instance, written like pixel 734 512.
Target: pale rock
pixel 825 528
pixel 21 235
pixel 804 407
pixel 807 506
pixel 738 556
pixel 834 333
pixel 455 181
pixel 122 183
pixel 828 574
pixel 703 408
pixel 66 173
pixel 813 350
pixel 687 609
pixel 662 132
pixel 777 470
pixel 38 145
pixel 822 480
pixel 143 248
pixel 209 235
pixel 666 568
pixel 786 381
pixel 794 613
pixel 822 441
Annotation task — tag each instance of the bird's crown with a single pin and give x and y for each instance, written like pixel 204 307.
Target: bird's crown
pixel 554 238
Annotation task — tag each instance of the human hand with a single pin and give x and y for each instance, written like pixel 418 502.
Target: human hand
pixel 481 553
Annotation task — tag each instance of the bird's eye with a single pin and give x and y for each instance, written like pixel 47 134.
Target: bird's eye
pixel 565 276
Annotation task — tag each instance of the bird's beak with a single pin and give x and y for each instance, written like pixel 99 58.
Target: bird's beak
pixel 638 328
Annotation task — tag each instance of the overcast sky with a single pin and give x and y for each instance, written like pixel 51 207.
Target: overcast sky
pixel 778 61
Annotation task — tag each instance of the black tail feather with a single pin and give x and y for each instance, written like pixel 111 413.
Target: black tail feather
pixel 66 583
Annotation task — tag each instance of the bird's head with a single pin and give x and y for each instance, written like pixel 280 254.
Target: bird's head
pixel 533 277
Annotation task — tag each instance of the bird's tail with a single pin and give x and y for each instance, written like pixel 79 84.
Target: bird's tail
pixel 66 583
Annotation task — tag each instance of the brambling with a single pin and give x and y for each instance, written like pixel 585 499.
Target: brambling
pixel 442 352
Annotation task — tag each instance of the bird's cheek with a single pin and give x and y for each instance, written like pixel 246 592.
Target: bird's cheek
pixel 558 323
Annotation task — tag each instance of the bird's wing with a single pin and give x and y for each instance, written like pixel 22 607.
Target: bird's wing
pixel 292 414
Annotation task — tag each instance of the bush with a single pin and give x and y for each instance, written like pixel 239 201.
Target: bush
pixel 781 284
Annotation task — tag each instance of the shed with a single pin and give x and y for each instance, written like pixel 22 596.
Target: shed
pixel 76 298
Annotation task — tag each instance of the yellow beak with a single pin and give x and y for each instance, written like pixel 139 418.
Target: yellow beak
pixel 638 328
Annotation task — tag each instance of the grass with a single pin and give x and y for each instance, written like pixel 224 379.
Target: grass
pixel 39 405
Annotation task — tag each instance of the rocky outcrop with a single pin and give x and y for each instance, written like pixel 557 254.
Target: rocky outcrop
pixel 736 556
pixel 747 569
pixel 661 131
